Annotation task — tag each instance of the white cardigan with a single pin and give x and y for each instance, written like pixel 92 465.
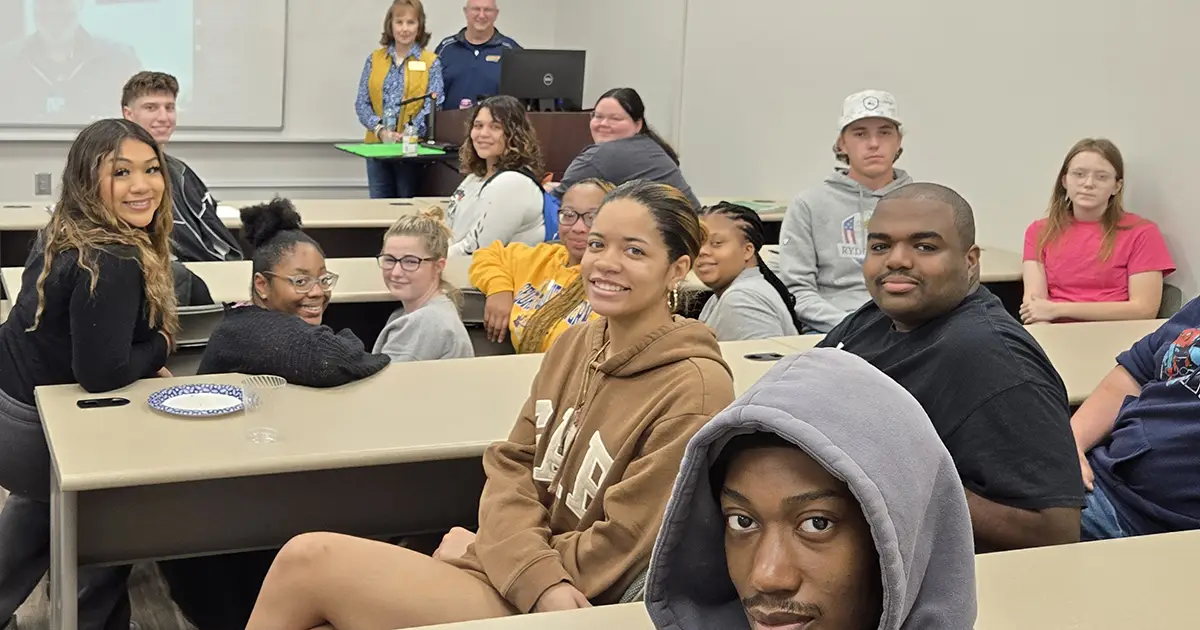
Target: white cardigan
pixel 509 210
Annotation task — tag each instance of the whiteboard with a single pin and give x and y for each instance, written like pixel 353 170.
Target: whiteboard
pixel 63 64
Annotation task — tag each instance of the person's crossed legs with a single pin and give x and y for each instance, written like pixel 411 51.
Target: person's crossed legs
pixel 326 580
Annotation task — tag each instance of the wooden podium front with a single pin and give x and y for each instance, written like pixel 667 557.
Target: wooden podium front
pixel 561 135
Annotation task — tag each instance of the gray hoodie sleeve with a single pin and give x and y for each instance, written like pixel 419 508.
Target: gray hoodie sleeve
pixel 798 268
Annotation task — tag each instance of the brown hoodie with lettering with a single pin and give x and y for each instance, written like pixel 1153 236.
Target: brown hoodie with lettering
pixel 577 492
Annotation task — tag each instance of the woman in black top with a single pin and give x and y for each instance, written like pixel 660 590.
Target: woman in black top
pixel 97 308
pixel 280 333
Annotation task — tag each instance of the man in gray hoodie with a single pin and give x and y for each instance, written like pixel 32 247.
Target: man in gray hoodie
pixel 822 494
pixel 822 241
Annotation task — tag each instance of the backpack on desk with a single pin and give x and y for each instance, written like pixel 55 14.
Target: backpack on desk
pixel 550 203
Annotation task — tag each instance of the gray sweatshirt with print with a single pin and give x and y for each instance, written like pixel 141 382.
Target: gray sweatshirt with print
pixel 822 244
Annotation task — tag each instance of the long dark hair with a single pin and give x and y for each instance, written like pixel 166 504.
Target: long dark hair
pixel 82 222
pixel 631 102
pixel 752 228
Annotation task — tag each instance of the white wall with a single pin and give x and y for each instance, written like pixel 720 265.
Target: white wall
pixel 327 44
pixel 993 96
pixel 642 50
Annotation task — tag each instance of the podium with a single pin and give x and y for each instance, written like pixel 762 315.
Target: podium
pixel 561 136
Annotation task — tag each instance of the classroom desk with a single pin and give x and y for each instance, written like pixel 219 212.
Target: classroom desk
pixel 360 301
pixel 343 227
pixel 1148 582
pixel 131 484
pixel 1083 353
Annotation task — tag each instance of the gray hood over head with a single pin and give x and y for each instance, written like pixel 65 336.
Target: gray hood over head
pixel 865 430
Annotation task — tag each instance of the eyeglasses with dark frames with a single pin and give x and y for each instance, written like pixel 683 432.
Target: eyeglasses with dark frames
pixel 388 262
pixel 569 217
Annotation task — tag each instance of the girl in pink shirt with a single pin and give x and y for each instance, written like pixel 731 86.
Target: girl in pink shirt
pixel 1090 260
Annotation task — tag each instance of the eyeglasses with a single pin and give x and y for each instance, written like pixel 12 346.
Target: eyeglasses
pixel 482 10
pixel 304 284
pixel 1101 177
pixel 407 263
pixel 569 217
pixel 612 120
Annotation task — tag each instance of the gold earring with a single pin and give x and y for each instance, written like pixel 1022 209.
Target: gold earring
pixel 673 299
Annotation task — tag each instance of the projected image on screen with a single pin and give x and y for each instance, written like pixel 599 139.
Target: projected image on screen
pixel 65 61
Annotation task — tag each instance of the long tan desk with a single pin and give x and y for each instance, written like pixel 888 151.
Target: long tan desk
pixel 397 453
pixel 359 280
pixel 344 227
pixel 1083 353
pixel 1148 582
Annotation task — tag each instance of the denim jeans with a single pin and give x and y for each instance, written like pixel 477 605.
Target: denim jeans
pixel 392 179
pixel 1099 519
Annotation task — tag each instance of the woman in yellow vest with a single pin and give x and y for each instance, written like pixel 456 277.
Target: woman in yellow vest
pixel 401 69
pixel 535 293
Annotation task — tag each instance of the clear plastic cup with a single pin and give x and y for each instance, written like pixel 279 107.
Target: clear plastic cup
pixel 258 394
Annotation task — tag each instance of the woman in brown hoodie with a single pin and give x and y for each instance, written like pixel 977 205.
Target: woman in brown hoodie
pixel 575 496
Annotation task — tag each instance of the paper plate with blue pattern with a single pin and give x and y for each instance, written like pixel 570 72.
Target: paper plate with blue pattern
pixel 197 400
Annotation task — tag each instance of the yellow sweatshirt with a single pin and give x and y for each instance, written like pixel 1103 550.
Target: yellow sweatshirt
pixel 533 274
pixel 577 492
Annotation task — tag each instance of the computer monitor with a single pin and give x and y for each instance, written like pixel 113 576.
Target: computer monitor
pixel 546 80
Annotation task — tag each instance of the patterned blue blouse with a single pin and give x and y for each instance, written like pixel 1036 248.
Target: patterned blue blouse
pixel 393 90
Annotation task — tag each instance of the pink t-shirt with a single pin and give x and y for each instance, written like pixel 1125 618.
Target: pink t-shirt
pixel 1074 271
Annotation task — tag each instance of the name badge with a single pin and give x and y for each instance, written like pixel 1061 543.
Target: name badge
pixel 417 66
pixel 493 58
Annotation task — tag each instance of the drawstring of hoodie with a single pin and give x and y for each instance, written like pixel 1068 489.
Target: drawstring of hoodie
pixel 591 368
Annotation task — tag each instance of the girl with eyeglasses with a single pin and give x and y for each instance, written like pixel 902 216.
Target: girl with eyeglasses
pixel 277 332
pixel 625 148
pixel 534 293
pixel 1089 259
pixel 428 324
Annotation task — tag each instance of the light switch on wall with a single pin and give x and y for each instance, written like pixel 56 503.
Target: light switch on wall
pixel 41 184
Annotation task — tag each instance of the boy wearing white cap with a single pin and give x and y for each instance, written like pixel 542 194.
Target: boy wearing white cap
pixel 823 239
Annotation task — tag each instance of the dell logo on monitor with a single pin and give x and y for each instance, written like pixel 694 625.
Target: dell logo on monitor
pixel 548 80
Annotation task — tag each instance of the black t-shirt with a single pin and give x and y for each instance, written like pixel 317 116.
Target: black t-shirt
pixel 101 338
pixel 994 398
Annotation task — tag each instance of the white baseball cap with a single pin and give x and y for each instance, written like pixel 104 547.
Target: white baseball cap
pixel 869 104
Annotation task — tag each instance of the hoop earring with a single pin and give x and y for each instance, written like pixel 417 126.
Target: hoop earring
pixel 673 299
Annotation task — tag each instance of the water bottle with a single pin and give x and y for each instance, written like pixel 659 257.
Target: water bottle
pixel 389 120
pixel 410 140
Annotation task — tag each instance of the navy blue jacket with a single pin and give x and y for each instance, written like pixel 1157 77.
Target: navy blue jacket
pixel 471 71
pixel 1149 466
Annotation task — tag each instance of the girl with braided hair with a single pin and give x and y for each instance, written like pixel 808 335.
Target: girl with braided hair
pixel 749 301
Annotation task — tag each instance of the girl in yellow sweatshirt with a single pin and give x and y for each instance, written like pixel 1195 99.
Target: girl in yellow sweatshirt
pixel 575 495
pixel 534 293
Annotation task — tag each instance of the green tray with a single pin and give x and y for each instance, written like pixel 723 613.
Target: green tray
pixel 380 150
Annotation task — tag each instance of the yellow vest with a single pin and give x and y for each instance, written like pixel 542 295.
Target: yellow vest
pixel 416 83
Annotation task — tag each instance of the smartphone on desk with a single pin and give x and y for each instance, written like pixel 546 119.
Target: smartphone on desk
pixel 764 356
pixel 97 403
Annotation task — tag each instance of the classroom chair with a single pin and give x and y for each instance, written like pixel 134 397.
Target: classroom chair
pixel 1172 301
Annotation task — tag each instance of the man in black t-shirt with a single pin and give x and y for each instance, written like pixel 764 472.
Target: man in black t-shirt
pixel 991 392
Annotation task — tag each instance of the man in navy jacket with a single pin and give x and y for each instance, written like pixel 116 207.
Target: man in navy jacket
pixel 1139 436
pixel 471 57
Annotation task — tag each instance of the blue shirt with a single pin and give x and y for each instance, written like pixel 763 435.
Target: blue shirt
pixel 472 70
pixel 1150 465
pixel 393 91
